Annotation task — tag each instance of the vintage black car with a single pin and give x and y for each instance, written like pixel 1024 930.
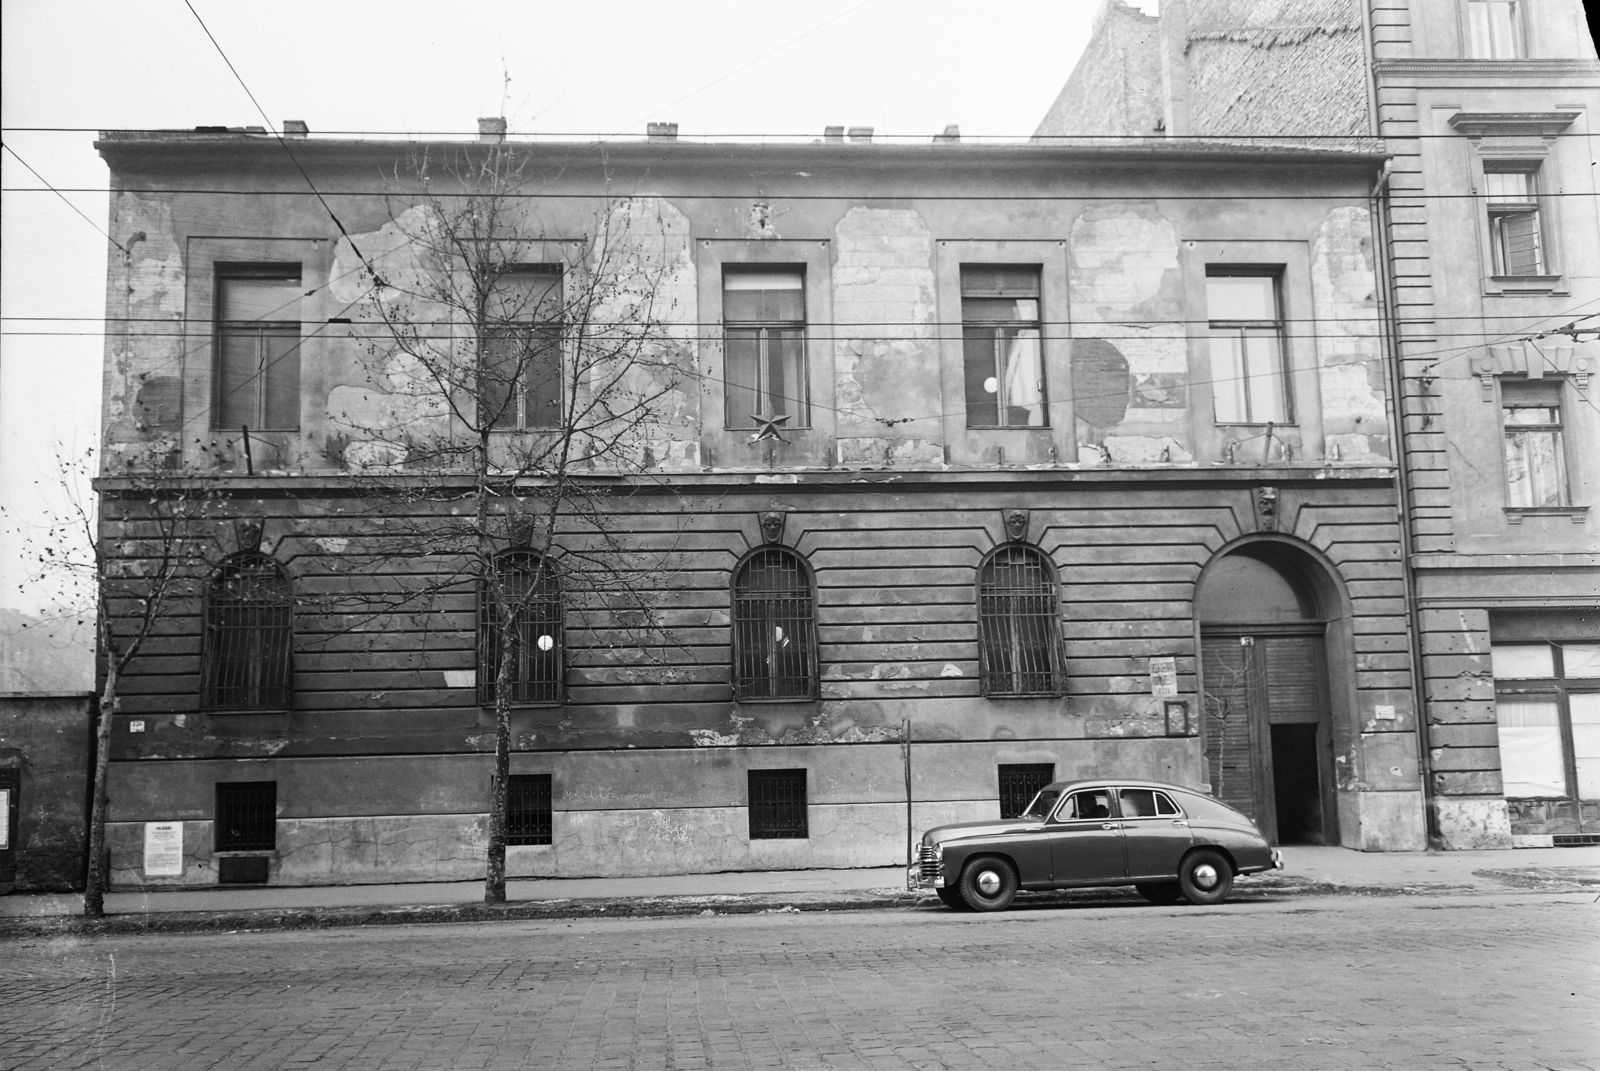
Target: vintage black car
pixel 1164 840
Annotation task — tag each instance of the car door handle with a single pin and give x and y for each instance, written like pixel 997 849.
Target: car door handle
pixel 1109 825
pixel 1179 822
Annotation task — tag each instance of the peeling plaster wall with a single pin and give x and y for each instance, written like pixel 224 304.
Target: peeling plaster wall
pixel 142 396
pixel 1351 370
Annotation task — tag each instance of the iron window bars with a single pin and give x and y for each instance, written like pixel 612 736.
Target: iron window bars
pixel 528 813
pixel 1000 330
pixel 519 376
pixel 774 628
pixel 1019 638
pixel 524 589
pixel 257 367
pixel 1020 782
pixel 764 327
pixel 246 816
pixel 778 805
pixel 1249 376
pixel 248 636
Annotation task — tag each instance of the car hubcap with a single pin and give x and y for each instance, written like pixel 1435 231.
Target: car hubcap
pixel 988 883
pixel 1205 876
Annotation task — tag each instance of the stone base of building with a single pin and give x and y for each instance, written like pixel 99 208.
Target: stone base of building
pixel 1470 824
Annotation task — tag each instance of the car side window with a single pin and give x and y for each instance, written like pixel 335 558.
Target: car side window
pixel 1165 806
pixel 1087 806
pixel 1137 802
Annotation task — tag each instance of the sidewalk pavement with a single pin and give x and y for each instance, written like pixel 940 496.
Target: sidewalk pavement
pixel 1308 870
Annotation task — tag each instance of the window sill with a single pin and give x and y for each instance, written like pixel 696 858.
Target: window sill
pixel 229 712
pixel 1526 284
pixel 769 699
pixel 544 705
pixel 1023 695
pixel 1515 514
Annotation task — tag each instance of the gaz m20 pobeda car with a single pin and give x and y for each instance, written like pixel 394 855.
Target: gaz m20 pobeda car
pixel 1165 840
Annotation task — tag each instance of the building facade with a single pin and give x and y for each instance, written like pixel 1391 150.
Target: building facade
pixel 1086 467
pixel 1491 229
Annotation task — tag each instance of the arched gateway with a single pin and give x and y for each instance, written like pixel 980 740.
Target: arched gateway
pixel 1272 624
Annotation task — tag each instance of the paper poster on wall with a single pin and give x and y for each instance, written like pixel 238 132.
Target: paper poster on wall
pixel 1164 677
pixel 5 818
pixel 163 849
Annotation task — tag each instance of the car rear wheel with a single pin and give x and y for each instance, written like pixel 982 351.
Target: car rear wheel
pixel 1205 877
pixel 1160 892
pixel 988 884
pixel 951 899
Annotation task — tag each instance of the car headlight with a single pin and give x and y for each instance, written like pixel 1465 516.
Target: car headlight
pixel 938 852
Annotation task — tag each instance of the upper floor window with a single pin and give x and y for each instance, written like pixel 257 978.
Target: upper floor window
pixel 1000 329
pixel 519 373
pixel 524 591
pixel 1536 468
pixel 1515 239
pixel 248 636
pixel 774 627
pixel 1249 379
pixel 256 379
pixel 1494 29
pixel 764 324
pixel 1019 638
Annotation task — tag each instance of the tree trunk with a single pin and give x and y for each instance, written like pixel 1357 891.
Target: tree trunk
pixel 94 890
pixel 494 886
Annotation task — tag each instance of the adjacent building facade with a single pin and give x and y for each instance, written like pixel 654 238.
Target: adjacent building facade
pixel 1085 466
pixel 1491 233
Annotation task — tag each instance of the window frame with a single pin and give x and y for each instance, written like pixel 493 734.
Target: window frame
pixel 1560 688
pixel 1563 463
pixel 553 602
pixel 763 328
pixel 1050 594
pixel 778 830
pixel 225 272
pixel 1240 330
pixel 1495 212
pixel 807 646
pixel 272 686
pixel 241 790
pixel 1518 25
pixel 970 324
pixel 521 829
pixel 553 331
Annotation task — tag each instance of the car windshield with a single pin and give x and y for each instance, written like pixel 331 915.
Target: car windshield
pixel 1041 804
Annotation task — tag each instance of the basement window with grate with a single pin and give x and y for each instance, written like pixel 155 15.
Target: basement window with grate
pixel 1020 782
pixel 246 816
pixel 529 819
pixel 778 805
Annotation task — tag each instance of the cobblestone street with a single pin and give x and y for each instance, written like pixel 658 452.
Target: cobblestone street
pixel 1405 982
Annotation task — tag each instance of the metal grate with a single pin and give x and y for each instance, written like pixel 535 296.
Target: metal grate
pixel 528 814
pixel 1574 840
pixel 778 805
pixel 531 596
pixel 1018 636
pixel 928 862
pixel 1021 782
pixel 248 636
pixel 774 628
pixel 247 816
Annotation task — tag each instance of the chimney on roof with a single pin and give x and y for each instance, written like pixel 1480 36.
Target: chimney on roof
pixel 492 129
pixel 833 133
pixel 861 133
pixel 663 131
pixel 295 128
pixel 951 135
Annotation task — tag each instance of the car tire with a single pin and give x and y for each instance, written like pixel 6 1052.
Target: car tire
pixel 1160 892
pixel 1205 877
pixel 988 884
pixel 951 899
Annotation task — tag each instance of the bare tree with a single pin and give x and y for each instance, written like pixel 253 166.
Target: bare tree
pixel 119 569
pixel 515 377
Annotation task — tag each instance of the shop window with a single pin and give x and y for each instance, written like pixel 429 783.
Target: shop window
pixel 1019 639
pixel 1249 375
pixel 1494 29
pixel 529 818
pixel 1535 456
pixel 1001 332
pixel 256 373
pixel 764 328
pixel 246 660
pixel 1020 782
pixel 1547 704
pixel 246 818
pixel 774 627
pixel 1516 238
pixel 525 592
pixel 519 376
pixel 778 805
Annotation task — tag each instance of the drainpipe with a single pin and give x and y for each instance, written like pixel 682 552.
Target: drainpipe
pixel 1388 321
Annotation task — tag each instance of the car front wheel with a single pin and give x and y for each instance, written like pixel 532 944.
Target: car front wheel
pixel 1205 878
pixel 1160 892
pixel 951 899
pixel 988 884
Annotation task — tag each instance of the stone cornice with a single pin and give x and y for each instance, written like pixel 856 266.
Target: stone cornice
pixel 1533 69
pixel 1525 124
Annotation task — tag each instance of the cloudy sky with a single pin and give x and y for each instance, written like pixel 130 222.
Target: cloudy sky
pixel 905 67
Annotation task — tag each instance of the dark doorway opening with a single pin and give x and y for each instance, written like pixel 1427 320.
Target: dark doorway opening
pixel 1297 784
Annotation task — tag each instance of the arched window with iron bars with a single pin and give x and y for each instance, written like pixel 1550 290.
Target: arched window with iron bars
pixel 526 592
pixel 774 627
pixel 1019 637
pixel 249 636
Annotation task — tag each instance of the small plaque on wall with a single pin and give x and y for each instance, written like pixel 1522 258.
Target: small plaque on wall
pixel 163 849
pixel 1164 678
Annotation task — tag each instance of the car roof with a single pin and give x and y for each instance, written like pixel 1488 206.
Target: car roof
pixel 1123 782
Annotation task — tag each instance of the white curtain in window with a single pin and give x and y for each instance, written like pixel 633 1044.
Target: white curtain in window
pixel 1530 748
pixel 1585 710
